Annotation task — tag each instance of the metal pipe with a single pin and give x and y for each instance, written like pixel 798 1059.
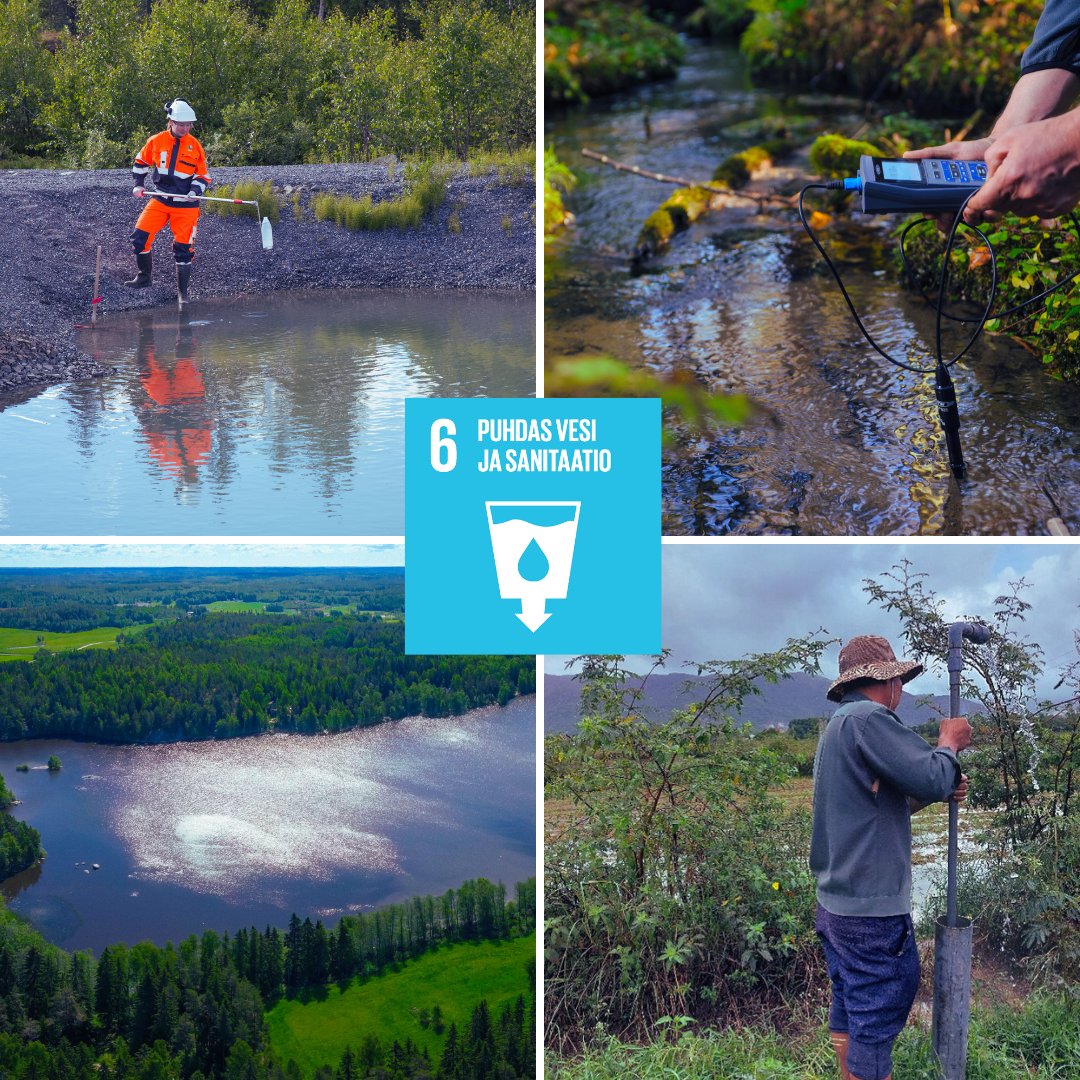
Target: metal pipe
pixel 952 934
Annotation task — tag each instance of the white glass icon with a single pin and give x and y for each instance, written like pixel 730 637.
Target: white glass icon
pixel 533 545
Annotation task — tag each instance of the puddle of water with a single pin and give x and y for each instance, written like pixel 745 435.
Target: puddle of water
pixel 841 443
pixel 270 415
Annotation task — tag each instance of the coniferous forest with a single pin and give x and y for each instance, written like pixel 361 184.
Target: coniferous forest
pixel 195 1010
pixel 222 674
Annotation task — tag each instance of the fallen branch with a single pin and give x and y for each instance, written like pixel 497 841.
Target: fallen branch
pixel 727 196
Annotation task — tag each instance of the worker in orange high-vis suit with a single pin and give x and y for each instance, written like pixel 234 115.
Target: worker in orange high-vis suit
pixel 176 163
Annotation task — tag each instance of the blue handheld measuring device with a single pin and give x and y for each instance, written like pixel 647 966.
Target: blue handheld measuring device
pixel 920 186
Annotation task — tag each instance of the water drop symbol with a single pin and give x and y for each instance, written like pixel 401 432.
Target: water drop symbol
pixel 533 564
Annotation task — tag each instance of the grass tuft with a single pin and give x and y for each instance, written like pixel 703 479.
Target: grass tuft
pixel 268 199
pixel 512 168
pixel 425 191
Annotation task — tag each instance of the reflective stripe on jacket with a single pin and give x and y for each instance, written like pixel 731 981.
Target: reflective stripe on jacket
pixel 176 165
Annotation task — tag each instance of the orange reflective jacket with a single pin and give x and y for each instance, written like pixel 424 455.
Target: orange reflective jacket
pixel 176 165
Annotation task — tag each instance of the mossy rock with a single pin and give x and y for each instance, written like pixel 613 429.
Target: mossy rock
pixel 736 171
pixel 834 157
pixel 674 215
pixel 658 229
pixel 732 173
pixel 686 205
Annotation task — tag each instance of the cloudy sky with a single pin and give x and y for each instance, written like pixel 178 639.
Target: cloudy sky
pixel 725 599
pixel 246 552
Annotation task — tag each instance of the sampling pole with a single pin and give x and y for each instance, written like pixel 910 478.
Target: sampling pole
pixel 952 934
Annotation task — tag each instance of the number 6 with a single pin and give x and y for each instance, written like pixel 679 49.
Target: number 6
pixel 443 450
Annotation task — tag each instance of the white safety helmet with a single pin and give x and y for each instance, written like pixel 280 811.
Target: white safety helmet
pixel 180 111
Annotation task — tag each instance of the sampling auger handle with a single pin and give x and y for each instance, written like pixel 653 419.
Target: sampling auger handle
pixel 978 634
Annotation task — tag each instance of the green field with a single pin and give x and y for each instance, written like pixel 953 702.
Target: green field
pixel 235 605
pixel 23 644
pixel 455 977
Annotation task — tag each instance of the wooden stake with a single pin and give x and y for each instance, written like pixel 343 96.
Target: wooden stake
pixel 97 284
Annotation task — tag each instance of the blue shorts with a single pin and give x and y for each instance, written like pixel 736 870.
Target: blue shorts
pixel 874 967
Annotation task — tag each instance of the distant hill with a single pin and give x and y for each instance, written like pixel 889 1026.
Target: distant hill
pixel 776 706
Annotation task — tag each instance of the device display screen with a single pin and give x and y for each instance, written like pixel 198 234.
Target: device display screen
pixel 901 170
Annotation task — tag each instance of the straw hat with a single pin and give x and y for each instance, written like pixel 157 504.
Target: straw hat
pixel 870 657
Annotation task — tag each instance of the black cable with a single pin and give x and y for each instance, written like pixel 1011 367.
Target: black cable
pixel 943 389
pixel 835 186
pixel 985 239
pixel 957 222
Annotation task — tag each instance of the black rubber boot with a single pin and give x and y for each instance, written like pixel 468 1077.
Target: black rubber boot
pixel 183 276
pixel 145 261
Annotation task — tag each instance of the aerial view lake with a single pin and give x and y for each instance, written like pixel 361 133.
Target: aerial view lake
pixel 269 415
pixel 158 842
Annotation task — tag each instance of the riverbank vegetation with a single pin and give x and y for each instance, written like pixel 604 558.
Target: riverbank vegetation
pixel 272 83
pixel 20 844
pixel 936 59
pixel 678 900
pixel 598 48
pixel 197 1009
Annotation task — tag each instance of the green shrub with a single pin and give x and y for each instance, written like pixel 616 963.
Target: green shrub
pixel 604 47
pixel 558 181
pixel 1031 257
pixel 279 86
pixel 252 134
pixel 937 58
pixel 677 885
pixel 720 18
pixel 25 74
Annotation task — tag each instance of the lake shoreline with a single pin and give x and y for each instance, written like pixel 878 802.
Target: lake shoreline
pixel 222 834
pixel 53 222
pixel 169 740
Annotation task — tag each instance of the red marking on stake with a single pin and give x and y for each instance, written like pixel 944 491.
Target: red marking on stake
pixel 97 300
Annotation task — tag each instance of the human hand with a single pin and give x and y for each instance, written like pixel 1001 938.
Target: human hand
pixel 960 794
pixel 973 150
pixel 138 192
pixel 955 734
pixel 1033 171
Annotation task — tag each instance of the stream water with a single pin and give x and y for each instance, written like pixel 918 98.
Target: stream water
pixel 271 415
pixel 840 442
pixel 158 842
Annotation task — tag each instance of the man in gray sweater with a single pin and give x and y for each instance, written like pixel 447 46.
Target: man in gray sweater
pixel 871 773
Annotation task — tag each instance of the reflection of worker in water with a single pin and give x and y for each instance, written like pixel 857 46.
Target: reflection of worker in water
pixel 174 414
pixel 871 773
pixel 1033 151
pixel 175 162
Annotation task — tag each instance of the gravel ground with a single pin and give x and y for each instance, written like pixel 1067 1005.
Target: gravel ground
pixel 51 223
